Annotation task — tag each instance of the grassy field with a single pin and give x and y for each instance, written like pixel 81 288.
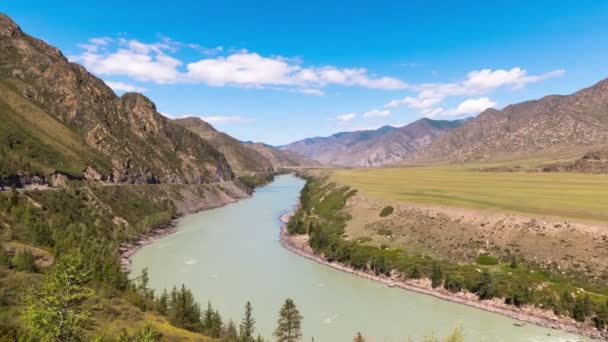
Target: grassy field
pixel 575 196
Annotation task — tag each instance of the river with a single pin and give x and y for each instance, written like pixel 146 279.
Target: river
pixel 232 254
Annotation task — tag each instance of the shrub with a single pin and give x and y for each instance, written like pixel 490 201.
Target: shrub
pixel 24 260
pixel 453 283
pixel 485 259
pixel 386 211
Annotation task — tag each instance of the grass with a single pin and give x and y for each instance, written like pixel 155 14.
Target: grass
pixel 575 196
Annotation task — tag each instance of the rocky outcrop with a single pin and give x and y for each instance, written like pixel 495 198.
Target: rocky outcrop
pixel 240 158
pixel 132 142
pixel 592 162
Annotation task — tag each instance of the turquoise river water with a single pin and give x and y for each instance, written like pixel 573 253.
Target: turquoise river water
pixel 232 254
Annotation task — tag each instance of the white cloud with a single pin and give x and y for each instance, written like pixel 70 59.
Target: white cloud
pixel 154 63
pixel 467 107
pixel 346 117
pixel 121 86
pixel 134 59
pixel 483 81
pixel 376 113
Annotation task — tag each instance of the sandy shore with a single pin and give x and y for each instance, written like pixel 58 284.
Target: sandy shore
pixel 299 245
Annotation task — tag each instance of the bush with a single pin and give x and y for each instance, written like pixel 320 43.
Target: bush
pixel 24 260
pixel 487 260
pixel 453 283
pixel 386 211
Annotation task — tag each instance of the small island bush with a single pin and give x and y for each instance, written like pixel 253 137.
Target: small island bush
pixel 386 211
pixel 486 260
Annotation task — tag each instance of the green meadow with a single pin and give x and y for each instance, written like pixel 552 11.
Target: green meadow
pixel 567 195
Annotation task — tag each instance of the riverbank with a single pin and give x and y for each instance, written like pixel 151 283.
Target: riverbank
pixel 298 244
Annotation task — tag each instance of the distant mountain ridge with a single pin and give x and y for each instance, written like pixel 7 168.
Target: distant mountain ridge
pixel 382 146
pixel 563 122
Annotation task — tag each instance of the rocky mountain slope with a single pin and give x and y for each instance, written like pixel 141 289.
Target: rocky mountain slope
pixel 552 123
pixel 56 116
pixel 386 145
pixel 240 157
pixel 281 158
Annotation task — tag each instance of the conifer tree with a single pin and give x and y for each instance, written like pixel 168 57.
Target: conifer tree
pixel 289 324
pixel 436 276
pixel 247 327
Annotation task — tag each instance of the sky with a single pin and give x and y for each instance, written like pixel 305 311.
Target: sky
pixel 280 71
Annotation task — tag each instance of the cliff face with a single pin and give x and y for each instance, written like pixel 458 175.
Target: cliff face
pixel 78 123
pixel 240 158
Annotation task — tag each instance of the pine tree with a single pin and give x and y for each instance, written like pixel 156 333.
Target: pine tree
pixel 212 322
pixel 436 276
pixel 184 312
pixel 54 310
pixel 289 324
pixel 162 305
pixel 247 326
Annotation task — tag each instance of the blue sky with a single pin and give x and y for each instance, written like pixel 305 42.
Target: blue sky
pixel 279 71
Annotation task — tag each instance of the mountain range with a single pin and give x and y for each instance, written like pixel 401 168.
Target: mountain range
pixel 385 145
pixel 57 118
pixel 553 123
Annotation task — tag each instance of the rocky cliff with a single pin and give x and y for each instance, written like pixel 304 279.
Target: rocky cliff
pixel 59 117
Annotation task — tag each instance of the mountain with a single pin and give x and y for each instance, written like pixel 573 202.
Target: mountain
pixel 281 158
pixel 385 145
pixel 58 118
pixel 553 123
pixel 239 156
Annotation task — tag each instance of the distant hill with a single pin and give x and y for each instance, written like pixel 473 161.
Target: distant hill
pixel 553 123
pixel 281 158
pixel 57 117
pixel 240 157
pixel 385 145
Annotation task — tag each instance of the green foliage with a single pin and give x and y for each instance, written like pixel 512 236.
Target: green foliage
pixel 24 260
pixel 485 288
pixel 453 283
pixel 487 260
pixel 184 311
pixel 436 276
pixel 321 216
pixel 247 327
pixel 212 322
pixel 289 325
pixel 5 259
pixel 519 296
pixel 386 211
pixel 582 308
pixel 601 319
pixel 146 334
pixel 54 311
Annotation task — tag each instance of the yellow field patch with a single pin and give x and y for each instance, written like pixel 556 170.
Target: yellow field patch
pixel 577 196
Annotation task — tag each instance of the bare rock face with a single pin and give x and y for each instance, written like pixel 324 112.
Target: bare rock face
pixel 553 122
pixel 131 138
